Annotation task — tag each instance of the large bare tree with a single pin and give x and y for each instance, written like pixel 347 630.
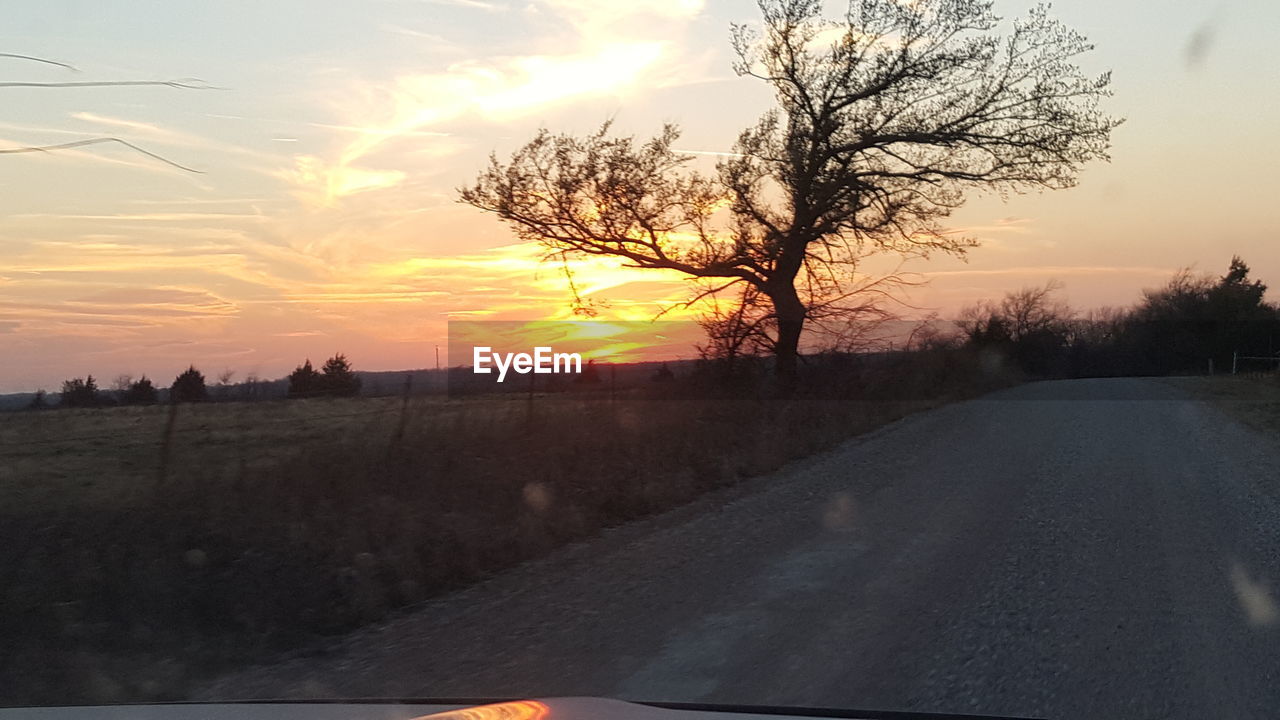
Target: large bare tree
pixel 885 118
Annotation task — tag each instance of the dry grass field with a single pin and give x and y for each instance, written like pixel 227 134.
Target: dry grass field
pixel 116 456
pixel 1253 399
pixel 111 457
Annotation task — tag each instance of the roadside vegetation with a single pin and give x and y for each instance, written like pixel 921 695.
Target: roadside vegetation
pixel 1196 324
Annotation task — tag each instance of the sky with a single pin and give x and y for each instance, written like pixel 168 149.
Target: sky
pixel 331 138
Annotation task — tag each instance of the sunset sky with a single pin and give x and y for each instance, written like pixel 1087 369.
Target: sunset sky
pixel 325 218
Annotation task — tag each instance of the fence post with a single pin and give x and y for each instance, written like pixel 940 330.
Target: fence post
pixel 1211 366
pixel 166 443
pixel 404 409
pixel 529 408
pixel 1235 356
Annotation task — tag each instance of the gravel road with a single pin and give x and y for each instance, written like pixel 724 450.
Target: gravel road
pixel 1074 549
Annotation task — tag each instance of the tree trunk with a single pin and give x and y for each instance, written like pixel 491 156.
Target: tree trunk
pixel 790 313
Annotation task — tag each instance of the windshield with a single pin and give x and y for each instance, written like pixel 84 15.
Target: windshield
pixel 882 355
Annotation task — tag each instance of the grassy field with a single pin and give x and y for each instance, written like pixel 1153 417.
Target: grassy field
pixel 112 457
pixel 144 550
pixel 1252 399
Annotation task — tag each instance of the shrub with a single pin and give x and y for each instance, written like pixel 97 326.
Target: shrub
pixel 304 381
pixel 80 393
pixel 189 387
pixel 338 379
pixel 140 392
pixel 38 401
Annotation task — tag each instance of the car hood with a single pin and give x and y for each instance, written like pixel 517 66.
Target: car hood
pixel 569 708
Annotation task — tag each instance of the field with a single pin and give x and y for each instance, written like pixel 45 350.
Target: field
pixel 1252 399
pixel 148 547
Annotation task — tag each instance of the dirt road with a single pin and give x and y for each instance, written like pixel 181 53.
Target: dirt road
pixel 1075 549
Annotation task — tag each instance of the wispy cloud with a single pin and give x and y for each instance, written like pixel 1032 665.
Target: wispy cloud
pixel 1053 271
pixel 437 41
pixel 713 153
pixel 485 5
pixel 610 48
pixel 135 126
pixel 386 266
pixel 146 217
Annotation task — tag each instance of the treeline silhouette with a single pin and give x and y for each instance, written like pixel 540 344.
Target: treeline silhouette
pixel 336 378
pixel 1194 324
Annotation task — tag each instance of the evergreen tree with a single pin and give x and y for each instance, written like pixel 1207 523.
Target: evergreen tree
pixel 338 379
pixel 304 381
pixel 140 392
pixel 189 387
pixel 80 393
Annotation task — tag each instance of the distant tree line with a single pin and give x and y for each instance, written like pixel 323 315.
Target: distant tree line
pixel 1184 327
pixel 335 379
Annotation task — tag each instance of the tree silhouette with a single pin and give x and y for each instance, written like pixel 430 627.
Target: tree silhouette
pixel 884 120
pixel 39 401
pixel 1031 326
pixel 590 374
pixel 140 392
pixel 304 381
pixel 189 387
pixel 337 378
pixel 663 374
pixel 1180 327
pixel 80 393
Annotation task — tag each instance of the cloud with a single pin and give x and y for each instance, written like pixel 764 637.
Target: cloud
pixel 494 90
pixel 470 4
pixel 1053 270
pixel 377 253
pixel 714 153
pixel 320 184
pixel 145 131
pixel 610 48
pixel 136 296
pixel 147 217
pixel 515 281
pixel 433 38
pixel 135 126
pixel 379 131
